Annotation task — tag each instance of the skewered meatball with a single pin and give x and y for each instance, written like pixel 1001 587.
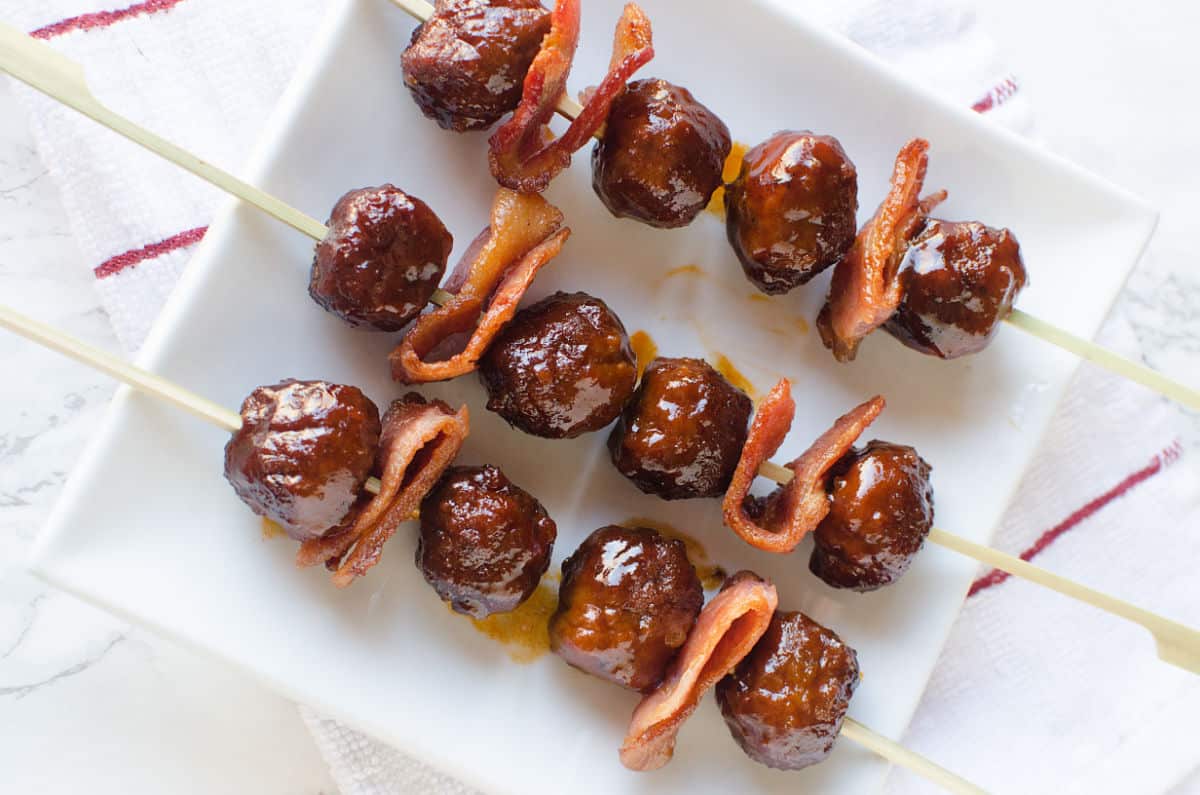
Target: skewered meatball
pixel 682 433
pixel 661 155
pixel 561 368
pixel 785 701
pixel 465 66
pixel 790 212
pixel 485 543
pixel 627 601
pixel 881 509
pixel 960 280
pixel 303 453
pixel 382 259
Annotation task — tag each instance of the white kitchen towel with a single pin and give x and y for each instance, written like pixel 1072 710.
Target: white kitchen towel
pixel 1033 692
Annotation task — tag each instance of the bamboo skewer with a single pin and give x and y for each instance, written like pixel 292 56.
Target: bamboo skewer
pixel 157 386
pixel 42 67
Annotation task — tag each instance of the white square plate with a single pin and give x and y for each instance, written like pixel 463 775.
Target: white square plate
pixel 149 529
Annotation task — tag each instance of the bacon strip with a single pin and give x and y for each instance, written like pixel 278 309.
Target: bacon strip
pixel 518 156
pixel 866 288
pixel 419 441
pixel 779 522
pixel 525 233
pixel 726 630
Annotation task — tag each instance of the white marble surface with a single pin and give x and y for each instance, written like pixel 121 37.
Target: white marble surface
pixel 89 703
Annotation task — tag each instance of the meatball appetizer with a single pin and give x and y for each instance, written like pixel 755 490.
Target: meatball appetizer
pixel 485 543
pixel 790 213
pixel 959 280
pixel 682 433
pixel 466 64
pixel 303 453
pixel 785 701
pixel 661 155
pixel 881 510
pixel 381 260
pixel 628 599
pixel 562 367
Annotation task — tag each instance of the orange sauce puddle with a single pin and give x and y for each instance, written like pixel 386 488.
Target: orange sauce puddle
pixel 733 165
pixel 801 325
pixel 525 632
pixel 271 530
pixel 682 270
pixel 644 348
pixel 759 298
pixel 734 376
pixel 711 575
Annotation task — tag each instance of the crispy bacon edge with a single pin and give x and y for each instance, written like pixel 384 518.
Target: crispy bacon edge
pixel 866 287
pixel 525 234
pixel 419 441
pixel 725 632
pixel 518 156
pixel 778 523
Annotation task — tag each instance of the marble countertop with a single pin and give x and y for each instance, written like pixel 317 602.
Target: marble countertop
pixel 83 693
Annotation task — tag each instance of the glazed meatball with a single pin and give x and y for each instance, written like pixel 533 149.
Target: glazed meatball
pixel 465 66
pixel 303 453
pixel 960 280
pixel 790 213
pixel 381 260
pixel 785 701
pixel 682 433
pixel 661 155
pixel 627 601
pixel 485 543
pixel 881 509
pixel 561 368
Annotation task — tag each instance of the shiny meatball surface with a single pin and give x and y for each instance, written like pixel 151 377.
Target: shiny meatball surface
pixel 383 257
pixel 960 281
pixel 661 155
pixel 465 66
pixel 790 213
pixel 785 701
pixel 485 543
pixel 561 368
pixel 303 453
pixel 682 433
pixel 881 509
pixel 627 601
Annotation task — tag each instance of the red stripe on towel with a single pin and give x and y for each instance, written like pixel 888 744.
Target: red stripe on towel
pixel 102 19
pixel 999 94
pixel 136 256
pixel 1167 457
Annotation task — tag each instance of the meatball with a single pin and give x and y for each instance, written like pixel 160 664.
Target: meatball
pixel 661 155
pixel 682 433
pixel 960 280
pixel 485 543
pixel 627 601
pixel 303 453
pixel 381 260
pixel 790 213
pixel 466 65
pixel 785 701
pixel 881 509
pixel 561 368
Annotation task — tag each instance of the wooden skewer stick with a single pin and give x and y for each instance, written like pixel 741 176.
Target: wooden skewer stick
pixel 1048 332
pixel 897 754
pixel 157 386
pixel 42 67
pixel 141 380
pixel 1177 643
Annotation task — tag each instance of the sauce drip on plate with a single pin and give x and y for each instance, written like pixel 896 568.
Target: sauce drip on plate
pixel 525 631
pixel 644 348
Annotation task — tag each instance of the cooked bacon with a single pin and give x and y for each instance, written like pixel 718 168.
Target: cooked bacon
pixel 865 289
pixel 518 155
pixel 777 523
pixel 419 441
pixel 727 628
pixel 526 232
